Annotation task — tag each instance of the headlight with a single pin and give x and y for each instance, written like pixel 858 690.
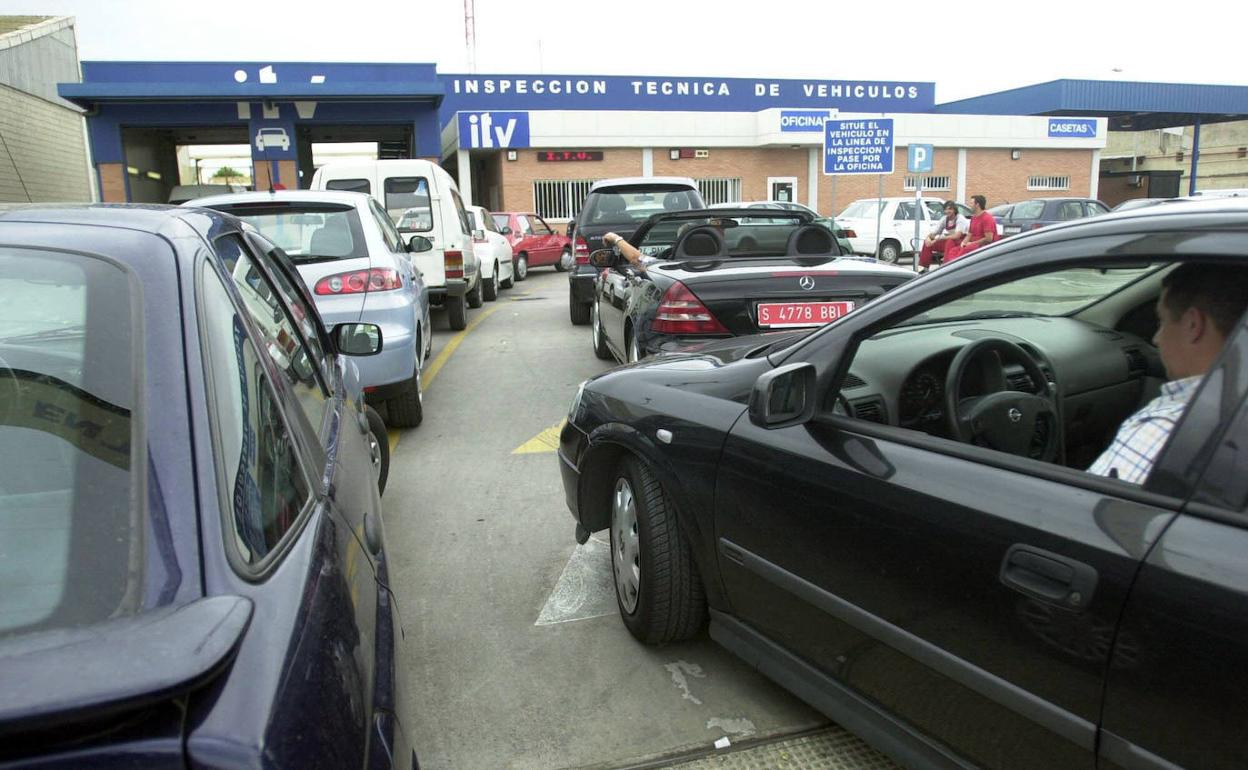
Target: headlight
pixel 576 402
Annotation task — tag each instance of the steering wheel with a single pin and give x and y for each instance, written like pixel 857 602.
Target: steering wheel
pixel 1025 424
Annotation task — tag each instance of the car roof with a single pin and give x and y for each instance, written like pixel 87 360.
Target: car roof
pixel 169 222
pixel 306 196
pixel 629 181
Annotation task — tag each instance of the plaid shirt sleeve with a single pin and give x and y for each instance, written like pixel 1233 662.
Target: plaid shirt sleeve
pixel 1142 435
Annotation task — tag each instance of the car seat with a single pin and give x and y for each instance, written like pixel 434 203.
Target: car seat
pixel 331 241
pixel 702 242
pixel 812 240
pixel 676 201
pixel 609 208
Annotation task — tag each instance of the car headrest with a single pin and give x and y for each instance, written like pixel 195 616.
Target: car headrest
pixel 700 243
pixel 612 204
pixel 675 201
pixel 331 241
pixel 810 240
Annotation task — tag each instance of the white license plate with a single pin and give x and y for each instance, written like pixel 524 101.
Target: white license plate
pixel 778 315
pixel 1011 230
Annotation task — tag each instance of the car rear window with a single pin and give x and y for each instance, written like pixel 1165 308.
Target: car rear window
pixel 634 203
pixel 865 208
pixel 1027 210
pixel 307 232
pixel 407 203
pixel 71 522
pixel 350 185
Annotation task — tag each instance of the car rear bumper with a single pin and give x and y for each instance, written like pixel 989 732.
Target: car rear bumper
pixel 581 282
pixel 453 288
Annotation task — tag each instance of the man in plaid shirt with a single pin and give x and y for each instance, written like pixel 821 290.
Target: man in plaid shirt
pixel 1198 309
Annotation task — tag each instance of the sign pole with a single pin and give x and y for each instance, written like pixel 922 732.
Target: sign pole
pixel 879 213
pixel 918 212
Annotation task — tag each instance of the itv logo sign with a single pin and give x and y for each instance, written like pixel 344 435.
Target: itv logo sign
pixel 493 130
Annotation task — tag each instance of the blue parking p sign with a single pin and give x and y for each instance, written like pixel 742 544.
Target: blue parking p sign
pixel 919 158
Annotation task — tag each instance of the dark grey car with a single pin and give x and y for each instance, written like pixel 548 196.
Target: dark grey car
pixel 1038 212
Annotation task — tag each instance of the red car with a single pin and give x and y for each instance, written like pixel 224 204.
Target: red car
pixel 533 242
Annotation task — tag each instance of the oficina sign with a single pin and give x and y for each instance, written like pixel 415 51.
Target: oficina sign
pixel 1072 128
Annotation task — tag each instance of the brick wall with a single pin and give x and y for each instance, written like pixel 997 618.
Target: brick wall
pixel 44 153
pixel 112 182
pixel 287 174
pixel 752 165
pixel 516 193
pixel 992 173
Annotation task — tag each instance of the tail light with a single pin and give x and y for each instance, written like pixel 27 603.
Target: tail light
pixel 359 282
pixel 851 234
pixel 681 312
pixel 1035 226
pixel 581 249
pixel 453 263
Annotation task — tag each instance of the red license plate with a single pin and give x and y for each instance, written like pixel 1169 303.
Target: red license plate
pixel 781 314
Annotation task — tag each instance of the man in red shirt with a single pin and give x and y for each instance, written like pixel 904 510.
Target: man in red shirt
pixel 983 230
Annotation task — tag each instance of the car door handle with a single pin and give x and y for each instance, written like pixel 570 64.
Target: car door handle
pixel 1048 576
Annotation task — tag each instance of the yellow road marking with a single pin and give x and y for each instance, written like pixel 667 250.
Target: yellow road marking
pixel 546 441
pixel 426 377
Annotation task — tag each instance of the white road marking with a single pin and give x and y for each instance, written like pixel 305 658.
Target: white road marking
pixel 739 727
pixel 680 671
pixel 585 589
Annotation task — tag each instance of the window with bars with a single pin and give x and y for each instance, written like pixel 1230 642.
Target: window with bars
pixel 720 190
pixel 929 182
pixel 1048 183
pixel 560 198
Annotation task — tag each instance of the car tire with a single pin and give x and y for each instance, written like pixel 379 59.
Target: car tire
pixel 600 340
pixel 378 447
pixel 522 267
pixel 474 296
pixel 490 291
pixel 633 354
pixel 457 312
pixel 657 586
pixel 890 251
pixel 565 262
pixel 407 409
pixel 577 311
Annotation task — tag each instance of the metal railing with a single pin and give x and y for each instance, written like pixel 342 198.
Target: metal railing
pixel 1048 183
pixel 560 198
pixel 720 189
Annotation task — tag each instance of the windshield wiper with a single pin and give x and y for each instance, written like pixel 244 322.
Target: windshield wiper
pixel 309 258
pixel 62 333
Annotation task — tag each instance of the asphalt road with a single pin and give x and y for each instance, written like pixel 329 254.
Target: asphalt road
pixel 516 655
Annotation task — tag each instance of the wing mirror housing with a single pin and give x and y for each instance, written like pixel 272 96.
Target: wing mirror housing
pixel 478 235
pixel 504 230
pixel 358 339
pixel 419 243
pixel 784 396
pixel 604 258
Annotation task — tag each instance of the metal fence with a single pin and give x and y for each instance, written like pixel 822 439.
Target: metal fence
pixel 1048 183
pixel 720 190
pixel 560 198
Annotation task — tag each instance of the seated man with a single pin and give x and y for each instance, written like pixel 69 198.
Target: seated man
pixel 946 233
pixel 1197 311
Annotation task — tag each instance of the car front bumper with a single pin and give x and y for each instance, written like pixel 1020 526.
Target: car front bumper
pixel 572 441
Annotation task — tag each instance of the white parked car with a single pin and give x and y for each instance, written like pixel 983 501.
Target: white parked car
pixel 494 251
pixel 896 222
pixel 424 204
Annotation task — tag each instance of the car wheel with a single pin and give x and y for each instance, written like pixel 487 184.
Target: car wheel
pixel 474 296
pixel 657 585
pixel 600 340
pixel 378 447
pixel 490 291
pixel 890 251
pixel 522 267
pixel 565 261
pixel 577 311
pixel 407 409
pixel 457 312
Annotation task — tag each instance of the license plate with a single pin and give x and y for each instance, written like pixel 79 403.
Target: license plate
pixel 1012 230
pixel 775 315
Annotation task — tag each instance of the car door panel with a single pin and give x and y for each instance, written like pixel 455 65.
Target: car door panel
pixel 894 554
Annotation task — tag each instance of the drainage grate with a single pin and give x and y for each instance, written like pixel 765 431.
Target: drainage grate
pixel 832 748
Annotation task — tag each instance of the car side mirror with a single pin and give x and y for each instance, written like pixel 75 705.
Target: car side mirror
pixel 478 235
pixel 358 339
pixel 504 230
pixel 418 244
pixel 604 258
pixel 784 396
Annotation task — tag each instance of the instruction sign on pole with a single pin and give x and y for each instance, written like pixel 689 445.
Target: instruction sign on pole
pixel 858 146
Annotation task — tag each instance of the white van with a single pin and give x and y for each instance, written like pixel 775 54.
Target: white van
pixel 426 207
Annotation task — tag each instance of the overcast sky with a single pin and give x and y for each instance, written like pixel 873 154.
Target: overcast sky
pixel 815 39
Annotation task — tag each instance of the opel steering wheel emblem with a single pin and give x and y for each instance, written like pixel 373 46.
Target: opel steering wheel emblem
pixel 806 282
pixel 1015 415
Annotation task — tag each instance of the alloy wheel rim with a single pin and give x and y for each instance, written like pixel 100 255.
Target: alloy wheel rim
pixel 625 545
pixel 566 259
pixel 522 267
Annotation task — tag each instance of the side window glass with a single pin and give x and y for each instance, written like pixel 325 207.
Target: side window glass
pixel 905 211
pixel 934 209
pixel 304 315
pixel 391 236
pixel 260 473
pixel 489 223
pixel 463 213
pixel 1095 208
pixel 350 185
pixel 540 227
pixel 282 341
pixel 525 227
pixel 1070 210
pixel 408 203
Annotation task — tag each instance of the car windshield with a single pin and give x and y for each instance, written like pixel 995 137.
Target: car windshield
pixel 312 233
pixel 864 208
pixel 1051 294
pixel 757 236
pixel 625 205
pixel 71 529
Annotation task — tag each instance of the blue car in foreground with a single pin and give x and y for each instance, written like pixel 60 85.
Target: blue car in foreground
pixel 192 559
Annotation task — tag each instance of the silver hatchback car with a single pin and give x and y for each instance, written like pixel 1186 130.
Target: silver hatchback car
pixel 359 270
